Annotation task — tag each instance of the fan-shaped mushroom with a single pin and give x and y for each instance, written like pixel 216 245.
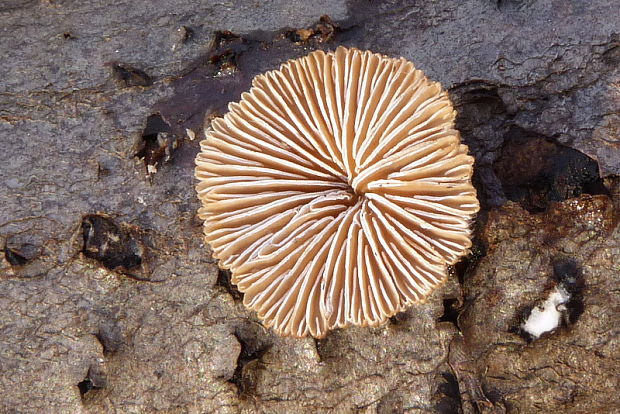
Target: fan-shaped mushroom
pixel 336 191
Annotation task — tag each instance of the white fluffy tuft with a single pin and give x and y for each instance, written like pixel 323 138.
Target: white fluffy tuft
pixel 546 316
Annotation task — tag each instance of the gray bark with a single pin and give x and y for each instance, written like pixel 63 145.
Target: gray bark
pixel 110 302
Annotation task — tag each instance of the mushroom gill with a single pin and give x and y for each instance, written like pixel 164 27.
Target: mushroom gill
pixel 336 191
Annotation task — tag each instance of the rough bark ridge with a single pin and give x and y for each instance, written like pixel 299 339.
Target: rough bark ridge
pixel 110 302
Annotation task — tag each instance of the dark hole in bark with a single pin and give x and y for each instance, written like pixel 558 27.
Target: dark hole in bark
pixel 521 316
pixel 535 171
pixel 14 258
pixel 400 318
pixel 449 395
pixel 320 345
pixel 483 119
pixel 253 347
pixel 19 254
pixel 128 76
pixel 105 242
pixel 157 143
pixel 225 63
pixel 468 264
pixel 95 380
pixel 567 272
pixel 460 269
pixel 451 311
pixel 492 394
pixel 223 280
pixel 226 48
pixel 85 386
pixel 223 38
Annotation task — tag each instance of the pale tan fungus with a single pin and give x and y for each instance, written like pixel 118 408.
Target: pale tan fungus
pixel 336 191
